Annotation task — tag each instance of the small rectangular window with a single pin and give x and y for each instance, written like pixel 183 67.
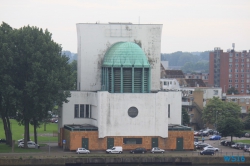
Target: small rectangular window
pixel 132 140
pixel 87 111
pixel 216 92
pixel 169 111
pixel 81 111
pixel 76 110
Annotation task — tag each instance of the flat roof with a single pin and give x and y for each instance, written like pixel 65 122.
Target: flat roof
pixel 80 127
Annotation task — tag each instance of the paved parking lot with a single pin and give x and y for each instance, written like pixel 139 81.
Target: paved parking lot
pixel 52 149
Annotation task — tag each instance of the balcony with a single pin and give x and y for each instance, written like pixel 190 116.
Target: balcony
pixel 187 103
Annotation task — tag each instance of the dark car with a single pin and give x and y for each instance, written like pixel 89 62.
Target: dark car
pixel 138 150
pixel 207 152
pixel 2 141
pixel 229 143
pixel 223 142
pixel 201 145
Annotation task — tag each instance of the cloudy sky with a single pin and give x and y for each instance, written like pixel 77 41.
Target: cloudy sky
pixel 188 25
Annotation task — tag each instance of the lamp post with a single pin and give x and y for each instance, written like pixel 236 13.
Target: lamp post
pixel 216 121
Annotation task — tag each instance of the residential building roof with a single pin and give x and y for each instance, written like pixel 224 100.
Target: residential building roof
pixel 195 83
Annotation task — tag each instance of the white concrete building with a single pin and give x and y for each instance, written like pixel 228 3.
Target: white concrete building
pixel 119 83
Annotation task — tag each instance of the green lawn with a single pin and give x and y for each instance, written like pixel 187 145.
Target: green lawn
pixel 43 136
pixel 243 141
pixel 6 149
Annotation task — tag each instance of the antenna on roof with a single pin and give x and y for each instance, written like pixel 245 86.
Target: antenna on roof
pixel 233 45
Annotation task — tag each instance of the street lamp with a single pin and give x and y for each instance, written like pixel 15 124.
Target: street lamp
pixel 216 122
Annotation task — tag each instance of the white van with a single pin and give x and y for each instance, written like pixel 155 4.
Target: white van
pixel 115 149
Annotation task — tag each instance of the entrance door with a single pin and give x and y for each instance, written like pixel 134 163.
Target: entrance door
pixel 110 143
pixel 179 144
pixel 154 142
pixel 85 143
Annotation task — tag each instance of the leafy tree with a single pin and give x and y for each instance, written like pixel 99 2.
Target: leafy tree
pixel 247 123
pixel 230 126
pixel 8 91
pixel 39 75
pixel 232 91
pixel 216 109
pixel 185 117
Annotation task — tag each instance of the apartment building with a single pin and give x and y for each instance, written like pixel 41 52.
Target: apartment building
pixel 229 69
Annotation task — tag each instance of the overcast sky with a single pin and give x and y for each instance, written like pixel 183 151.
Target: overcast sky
pixel 188 25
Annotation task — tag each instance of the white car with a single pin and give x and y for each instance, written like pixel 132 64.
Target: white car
pixel 157 150
pixel 82 150
pixel 22 140
pixel 115 149
pixel 211 148
pixel 30 145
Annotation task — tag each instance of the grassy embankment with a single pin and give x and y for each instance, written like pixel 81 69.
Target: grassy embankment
pixel 18 131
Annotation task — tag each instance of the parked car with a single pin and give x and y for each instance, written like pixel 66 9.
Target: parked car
pixel 196 143
pixel 215 137
pixel 235 145
pixel 22 140
pixel 201 145
pixel 229 143
pixel 240 146
pixel 2 141
pixel 138 150
pixel 157 150
pixel 216 132
pixel 247 135
pixel 82 150
pixel 223 142
pixel 247 146
pixel 196 133
pixel 30 145
pixel 115 149
pixel 211 148
pixel 207 152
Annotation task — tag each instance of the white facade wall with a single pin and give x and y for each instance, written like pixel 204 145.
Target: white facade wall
pixel 211 92
pixel 66 113
pixel 95 39
pixel 110 112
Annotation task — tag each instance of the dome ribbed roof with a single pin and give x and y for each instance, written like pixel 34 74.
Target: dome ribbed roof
pixel 125 54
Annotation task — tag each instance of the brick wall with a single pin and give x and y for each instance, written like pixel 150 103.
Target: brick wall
pixel 74 140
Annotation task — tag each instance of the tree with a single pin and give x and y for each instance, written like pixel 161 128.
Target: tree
pixel 216 109
pixel 185 117
pixel 230 126
pixel 213 107
pixel 40 75
pixel 247 123
pixel 232 90
pixel 8 91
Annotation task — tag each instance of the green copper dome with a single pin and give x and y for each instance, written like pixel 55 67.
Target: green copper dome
pixel 125 54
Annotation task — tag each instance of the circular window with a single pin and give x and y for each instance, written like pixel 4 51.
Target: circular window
pixel 132 112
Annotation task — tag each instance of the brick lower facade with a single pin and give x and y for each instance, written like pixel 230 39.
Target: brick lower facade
pixel 74 140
